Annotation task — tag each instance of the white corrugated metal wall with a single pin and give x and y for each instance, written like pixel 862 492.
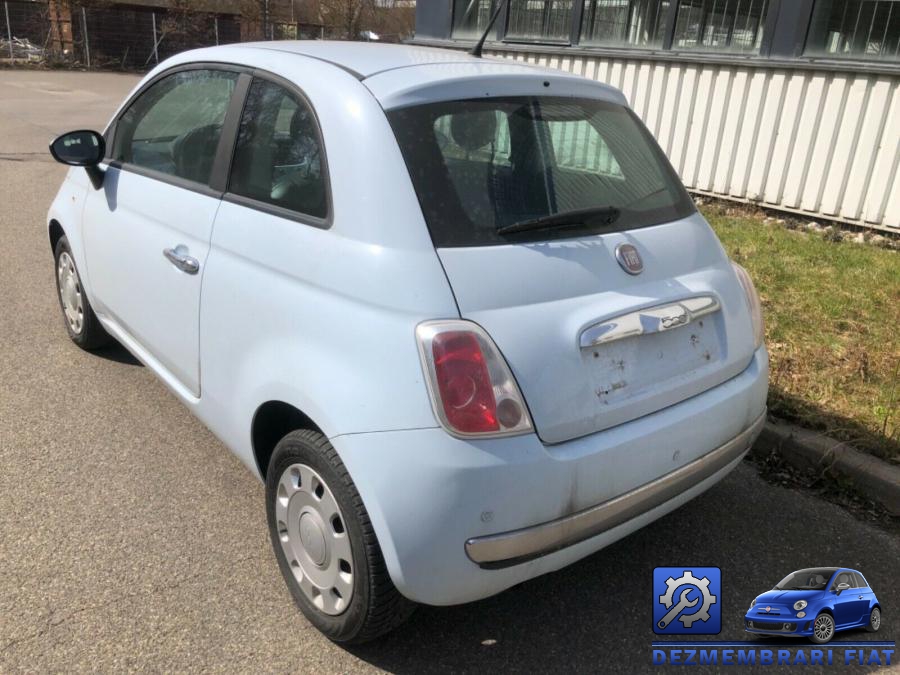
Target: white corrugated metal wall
pixel 810 141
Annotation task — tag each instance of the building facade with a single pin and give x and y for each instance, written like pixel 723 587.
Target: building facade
pixel 789 104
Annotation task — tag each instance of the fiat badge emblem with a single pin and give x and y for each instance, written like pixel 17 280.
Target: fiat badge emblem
pixel 629 259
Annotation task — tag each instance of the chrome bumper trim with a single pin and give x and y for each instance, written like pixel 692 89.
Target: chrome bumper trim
pixel 511 548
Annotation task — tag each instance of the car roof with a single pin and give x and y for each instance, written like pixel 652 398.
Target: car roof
pixel 404 75
pixel 364 59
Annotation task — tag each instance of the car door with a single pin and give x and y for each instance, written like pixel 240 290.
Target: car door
pixel 863 596
pixel 846 604
pixel 147 230
pixel 271 247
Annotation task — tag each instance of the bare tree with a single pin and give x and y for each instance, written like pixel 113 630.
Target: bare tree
pixel 394 20
pixel 347 18
pixel 254 17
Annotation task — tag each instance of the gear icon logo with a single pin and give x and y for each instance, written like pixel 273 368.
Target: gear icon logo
pixel 686 600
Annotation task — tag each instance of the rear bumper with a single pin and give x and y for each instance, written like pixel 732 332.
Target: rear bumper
pixel 459 520
pixel 511 548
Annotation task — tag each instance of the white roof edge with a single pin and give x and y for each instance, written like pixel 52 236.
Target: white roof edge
pixel 404 87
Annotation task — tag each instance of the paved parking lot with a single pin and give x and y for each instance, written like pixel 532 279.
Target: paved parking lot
pixel 131 539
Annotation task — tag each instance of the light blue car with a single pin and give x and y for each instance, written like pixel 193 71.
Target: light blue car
pixel 815 603
pixel 459 314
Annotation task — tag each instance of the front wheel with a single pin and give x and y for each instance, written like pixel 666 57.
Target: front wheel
pixel 823 629
pixel 81 323
pixel 874 620
pixel 325 545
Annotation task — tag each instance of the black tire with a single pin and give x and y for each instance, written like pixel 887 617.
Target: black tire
pixel 874 620
pixel 90 335
pixel 376 606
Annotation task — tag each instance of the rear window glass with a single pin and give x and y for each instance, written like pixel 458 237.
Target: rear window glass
pixel 479 165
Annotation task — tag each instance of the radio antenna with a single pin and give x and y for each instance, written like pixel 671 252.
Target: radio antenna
pixel 476 50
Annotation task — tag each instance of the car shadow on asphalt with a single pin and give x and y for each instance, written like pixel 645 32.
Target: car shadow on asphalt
pixel 116 352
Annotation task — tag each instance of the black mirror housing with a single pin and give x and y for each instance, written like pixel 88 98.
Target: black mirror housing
pixel 79 148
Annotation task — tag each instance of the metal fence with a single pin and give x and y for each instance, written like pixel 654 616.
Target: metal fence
pixel 121 37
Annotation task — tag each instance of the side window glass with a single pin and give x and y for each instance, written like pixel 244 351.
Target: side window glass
pixel 842 578
pixel 174 126
pixel 278 157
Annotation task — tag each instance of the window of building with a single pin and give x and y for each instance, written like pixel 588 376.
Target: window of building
pixel 540 19
pixel 855 29
pixel 278 157
pixel 470 17
pixel 720 25
pixel 639 23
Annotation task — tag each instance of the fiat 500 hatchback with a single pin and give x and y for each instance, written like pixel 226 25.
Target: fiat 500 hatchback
pixel 459 315
pixel 815 603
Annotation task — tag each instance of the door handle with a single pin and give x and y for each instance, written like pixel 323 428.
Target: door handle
pixel 185 263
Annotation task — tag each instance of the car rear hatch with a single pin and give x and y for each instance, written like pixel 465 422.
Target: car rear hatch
pixel 614 315
pixel 592 346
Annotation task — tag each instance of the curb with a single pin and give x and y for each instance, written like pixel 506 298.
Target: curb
pixel 805 449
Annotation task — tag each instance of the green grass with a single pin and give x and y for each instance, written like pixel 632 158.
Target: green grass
pixel 832 313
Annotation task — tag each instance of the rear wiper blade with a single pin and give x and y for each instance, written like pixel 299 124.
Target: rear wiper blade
pixel 605 215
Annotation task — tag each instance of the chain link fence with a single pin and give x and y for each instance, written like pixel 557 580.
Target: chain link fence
pixel 121 37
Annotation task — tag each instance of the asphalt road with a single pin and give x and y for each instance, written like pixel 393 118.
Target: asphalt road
pixel 131 539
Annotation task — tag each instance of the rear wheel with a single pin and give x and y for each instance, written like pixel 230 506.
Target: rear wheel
pixel 823 629
pixel 325 545
pixel 81 323
pixel 874 620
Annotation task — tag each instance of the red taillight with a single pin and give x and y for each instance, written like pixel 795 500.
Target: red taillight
pixel 464 383
pixel 472 390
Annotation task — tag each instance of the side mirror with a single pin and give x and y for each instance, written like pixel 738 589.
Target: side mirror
pixel 842 587
pixel 81 148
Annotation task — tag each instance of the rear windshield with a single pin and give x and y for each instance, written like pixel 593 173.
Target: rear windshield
pixel 479 165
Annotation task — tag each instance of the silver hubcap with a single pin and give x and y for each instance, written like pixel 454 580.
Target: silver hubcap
pixel 70 292
pixel 823 627
pixel 314 538
pixel 876 619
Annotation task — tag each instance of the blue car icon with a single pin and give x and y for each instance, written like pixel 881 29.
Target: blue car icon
pixel 815 603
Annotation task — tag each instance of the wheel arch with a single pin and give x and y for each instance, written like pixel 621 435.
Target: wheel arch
pixel 55 232
pixel 271 422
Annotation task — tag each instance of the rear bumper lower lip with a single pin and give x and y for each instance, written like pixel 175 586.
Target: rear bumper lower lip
pixel 512 548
